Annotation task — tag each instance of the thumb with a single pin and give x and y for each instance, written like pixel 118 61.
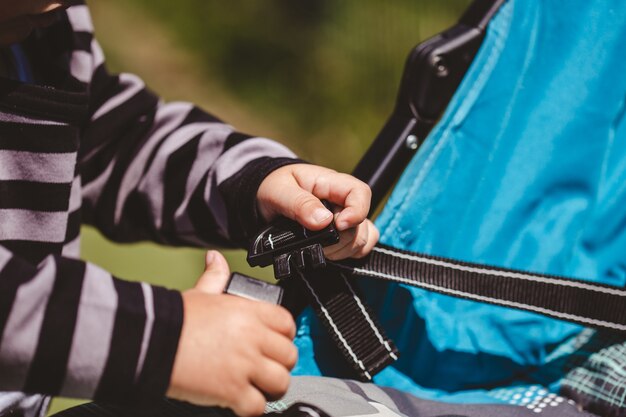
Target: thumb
pixel 303 207
pixel 216 274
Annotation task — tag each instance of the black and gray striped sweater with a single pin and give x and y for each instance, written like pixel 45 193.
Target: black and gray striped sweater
pixel 82 145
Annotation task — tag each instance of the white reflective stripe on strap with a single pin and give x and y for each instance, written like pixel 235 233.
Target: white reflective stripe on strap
pixel 333 325
pixel 522 306
pixel 504 273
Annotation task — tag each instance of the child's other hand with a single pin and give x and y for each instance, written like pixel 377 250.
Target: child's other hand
pixel 232 352
pixel 294 191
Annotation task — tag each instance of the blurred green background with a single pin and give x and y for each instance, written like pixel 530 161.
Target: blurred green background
pixel 318 75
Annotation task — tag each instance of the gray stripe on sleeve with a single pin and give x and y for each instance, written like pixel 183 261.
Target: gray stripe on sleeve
pixel 75 195
pixel 21 333
pixel 92 335
pixel 18 118
pixel 37 167
pixel 238 156
pixel 168 118
pixel 81 66
pixel 148 297
pixel 72 249
pixel 208 145
pixel 152 185
pixel 36 226
pixel 98 54
pixel 91 191
pixel 80 19
pixel 5 257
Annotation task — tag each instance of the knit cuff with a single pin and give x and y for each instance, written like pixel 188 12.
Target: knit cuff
pixel 240 194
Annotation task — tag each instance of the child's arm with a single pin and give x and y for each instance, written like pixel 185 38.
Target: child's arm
pixel 69 328
pixel 171 173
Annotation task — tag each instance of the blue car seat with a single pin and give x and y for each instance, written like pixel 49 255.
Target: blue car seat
pixel 525 170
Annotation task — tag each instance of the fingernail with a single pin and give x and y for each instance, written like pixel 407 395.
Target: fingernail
pixel 320 214
pixel 210 256
pixel 341 226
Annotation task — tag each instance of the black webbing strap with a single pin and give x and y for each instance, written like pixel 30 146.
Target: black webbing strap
pixel 349 321
pixel 590 304
pixel 363 343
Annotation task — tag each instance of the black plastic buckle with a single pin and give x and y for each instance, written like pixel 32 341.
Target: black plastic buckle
pixel 286 243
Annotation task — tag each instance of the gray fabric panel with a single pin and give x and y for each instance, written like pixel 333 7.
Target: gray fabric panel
pixel 92 335
pixel 35 226
pixel 376 394
pixel 168 118
pixel 21 333
pixel 331 395
pixel 354 399
pixel 55 168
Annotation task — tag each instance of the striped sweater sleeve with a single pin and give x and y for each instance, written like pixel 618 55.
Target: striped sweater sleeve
pixel 69 328
pixel 66 327
pixel 167 172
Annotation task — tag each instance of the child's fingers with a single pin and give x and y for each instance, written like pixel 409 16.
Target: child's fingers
pixel 354 243
pixel 271 378
pixel 216 274
pixel 300 205
pixel 372 239
pixel 350 194
pixel 250 402
pixel 280 349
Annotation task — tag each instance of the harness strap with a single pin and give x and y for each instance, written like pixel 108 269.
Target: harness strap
pixel 590 304
pixel 349 321
pixel 363 343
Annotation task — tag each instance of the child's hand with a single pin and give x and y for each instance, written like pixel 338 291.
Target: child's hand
pixel 295 191
pixel 232 352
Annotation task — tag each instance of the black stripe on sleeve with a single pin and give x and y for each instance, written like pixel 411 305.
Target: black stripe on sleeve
pixel 36 196
pixel 103 87
pixel 175 179
pixel 195 116
pixel 235 139
pixel 14 274
pixel 118 378
pixel 239 192
pixel 122 122
pixel 155 375
pixel 38 138
pixel 204 224
pixel 73 226
pixel 82 41
pixel 32 252
pixel 48 368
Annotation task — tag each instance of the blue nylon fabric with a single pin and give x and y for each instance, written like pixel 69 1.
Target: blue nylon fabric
pixel 22 66
pixel 526 170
